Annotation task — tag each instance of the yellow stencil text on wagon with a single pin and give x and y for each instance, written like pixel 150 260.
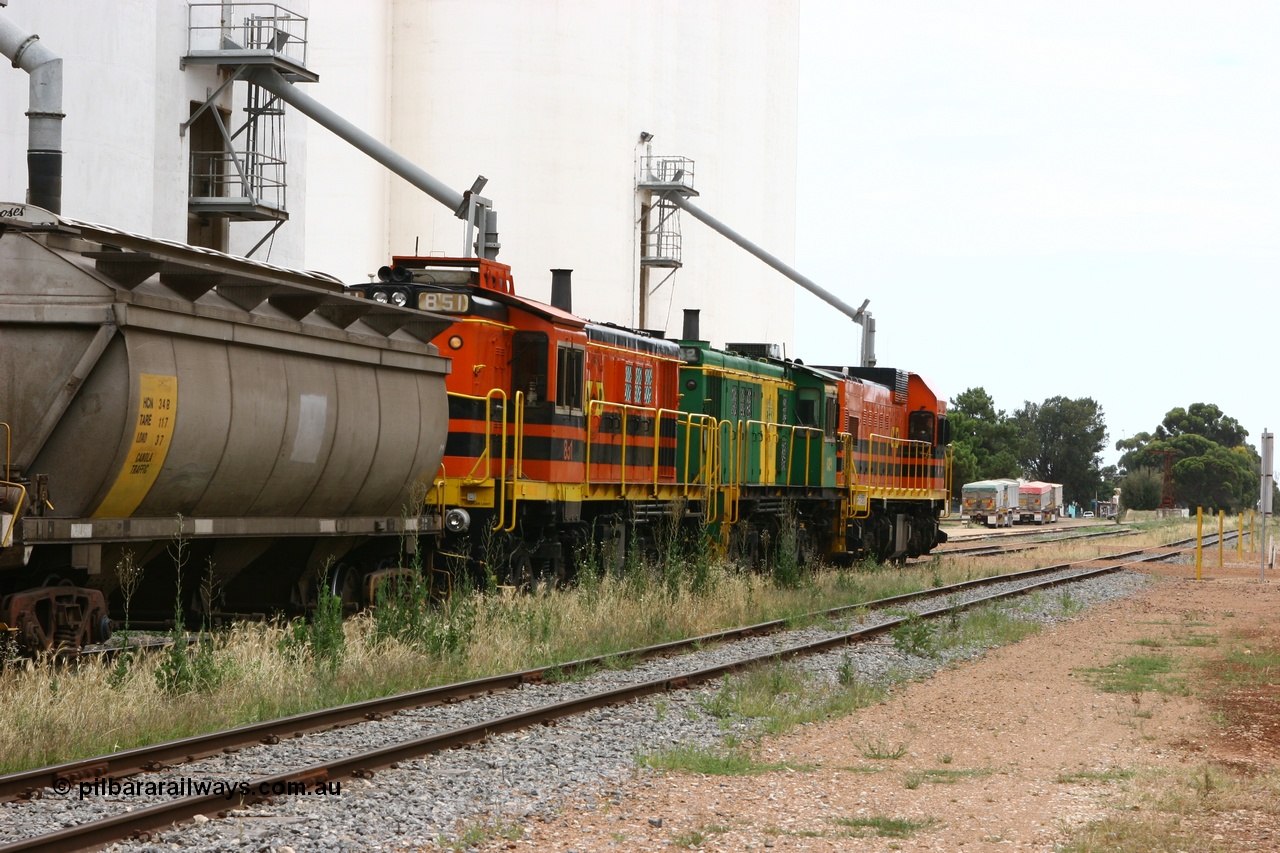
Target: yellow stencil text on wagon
pixel 152 431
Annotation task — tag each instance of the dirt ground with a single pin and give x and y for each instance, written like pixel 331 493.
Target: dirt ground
pixel 1019 750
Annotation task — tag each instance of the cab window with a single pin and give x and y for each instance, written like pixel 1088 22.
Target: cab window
pixel 529 367
pixel 569 377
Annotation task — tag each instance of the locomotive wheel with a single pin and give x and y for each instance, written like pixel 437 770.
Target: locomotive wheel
pixel 518 571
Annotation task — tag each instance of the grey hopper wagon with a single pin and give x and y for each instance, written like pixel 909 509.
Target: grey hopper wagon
pixel 151 390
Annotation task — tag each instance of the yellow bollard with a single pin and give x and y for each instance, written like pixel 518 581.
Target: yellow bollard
pixel 1240 538
pixel 1199 539
pixel 1221 519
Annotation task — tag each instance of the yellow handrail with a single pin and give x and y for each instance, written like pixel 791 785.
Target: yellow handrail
pixel 897 475
pixel 728 436
pixel 7 539
pixel 703 425
pixel 597 408
pixel 947 471
pixel 8 449
pixel 517 462
pixel 482 470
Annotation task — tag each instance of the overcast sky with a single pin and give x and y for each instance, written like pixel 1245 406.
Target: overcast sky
pixel 1045 198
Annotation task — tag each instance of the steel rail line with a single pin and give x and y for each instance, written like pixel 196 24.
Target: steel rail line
pixel 964 548
pixel 29 783
pixel 141 822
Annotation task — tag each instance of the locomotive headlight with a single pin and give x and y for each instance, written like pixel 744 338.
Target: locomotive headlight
pixel 399 298
pixel 455 342
pixel 379 296
pixel 457 520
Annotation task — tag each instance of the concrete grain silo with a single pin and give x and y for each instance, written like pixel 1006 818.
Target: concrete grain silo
pixel 555 103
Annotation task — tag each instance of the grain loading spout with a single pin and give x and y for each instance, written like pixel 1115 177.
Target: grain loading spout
pixel 859 315
pixel 44 139
pixel 471 207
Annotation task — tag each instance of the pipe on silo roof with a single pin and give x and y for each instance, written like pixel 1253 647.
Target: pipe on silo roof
pixel 44 118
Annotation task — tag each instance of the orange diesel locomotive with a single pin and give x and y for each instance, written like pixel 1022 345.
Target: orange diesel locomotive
pixel 567 435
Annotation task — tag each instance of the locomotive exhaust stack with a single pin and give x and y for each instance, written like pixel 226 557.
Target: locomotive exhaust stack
pixel 562 290
pixel 44 133
pixel 691 331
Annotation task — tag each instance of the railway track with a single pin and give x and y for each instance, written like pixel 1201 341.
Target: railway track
pixel 984 550
pixel 760 644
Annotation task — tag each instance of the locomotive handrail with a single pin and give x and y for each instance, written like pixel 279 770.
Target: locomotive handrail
pixel 768 448
pixel 657 446
pixel 896 476
pixel 517 462
pixel 437 489
pixel 728 459
pixel 484 461
pixel 814 434
pixel 711 438
pixel 6 536
pixel 596 409
pixel 852 488
pixel 947 458
pixel 702 424
pixel 484 458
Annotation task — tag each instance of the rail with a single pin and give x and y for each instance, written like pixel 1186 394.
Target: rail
pixel 30 784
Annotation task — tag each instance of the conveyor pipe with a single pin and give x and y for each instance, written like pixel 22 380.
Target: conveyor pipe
pixel 859 315
pixel 327 118
pixel 467 207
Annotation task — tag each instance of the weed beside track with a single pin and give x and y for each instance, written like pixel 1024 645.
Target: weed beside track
pixel 252 672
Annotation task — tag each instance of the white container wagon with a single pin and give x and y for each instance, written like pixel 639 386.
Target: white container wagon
pixel 1039 502
pixel 990 502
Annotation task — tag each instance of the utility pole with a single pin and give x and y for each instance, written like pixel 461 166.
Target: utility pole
pixel 1268 486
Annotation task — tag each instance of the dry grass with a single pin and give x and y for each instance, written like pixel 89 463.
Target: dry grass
pixel 1231 802
pixel 1205 808
pixel 55 713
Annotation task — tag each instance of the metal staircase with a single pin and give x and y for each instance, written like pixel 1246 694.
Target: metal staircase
pixel 239 173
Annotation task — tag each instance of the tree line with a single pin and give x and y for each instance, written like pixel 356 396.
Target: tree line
pixel 1061 439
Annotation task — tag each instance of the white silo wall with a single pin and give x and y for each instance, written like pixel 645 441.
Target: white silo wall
pixel 547 100
pixel 125 96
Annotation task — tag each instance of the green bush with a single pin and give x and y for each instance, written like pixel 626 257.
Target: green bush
pixel 1142 489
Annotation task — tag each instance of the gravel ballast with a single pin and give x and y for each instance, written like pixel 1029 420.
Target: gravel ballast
pixel 458 795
